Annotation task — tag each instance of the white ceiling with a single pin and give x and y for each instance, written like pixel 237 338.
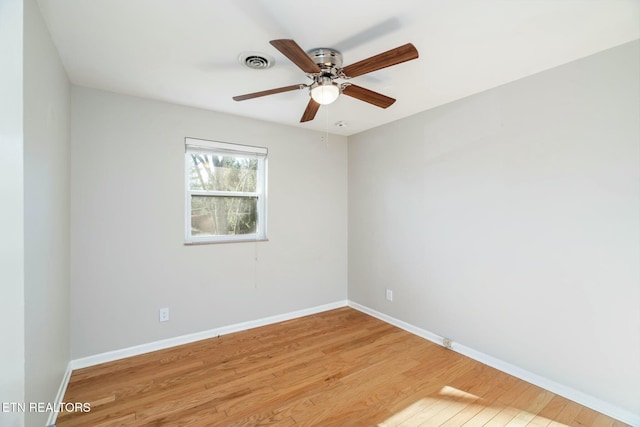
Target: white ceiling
pixel 185 51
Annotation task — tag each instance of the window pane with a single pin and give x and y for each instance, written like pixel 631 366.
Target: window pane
pixel 214 216
pixel 222 173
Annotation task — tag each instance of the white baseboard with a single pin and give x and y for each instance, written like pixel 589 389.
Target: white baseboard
pixel 110 356
pixel 554 387
pixel 60 395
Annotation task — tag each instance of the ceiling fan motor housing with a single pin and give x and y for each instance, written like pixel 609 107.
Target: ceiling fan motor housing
pixel 326 58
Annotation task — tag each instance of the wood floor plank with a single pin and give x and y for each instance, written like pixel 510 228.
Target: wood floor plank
pixel 530 408
pixel 606 421
pixel 344 400
pixel 339 367
pixel 566 415
pixel 585 417
pixel 490 384
pixel 548 412
pixel 504 408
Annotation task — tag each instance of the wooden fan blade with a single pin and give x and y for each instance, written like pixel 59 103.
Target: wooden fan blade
pixel 386 59
pixel 366 95
pixel 291 50
pixel 310 111
pixel 267 92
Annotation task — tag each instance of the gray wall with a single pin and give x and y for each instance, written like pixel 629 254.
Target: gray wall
pixel 46 214
pixel 11 211
pixel 127 232
pixel 509 222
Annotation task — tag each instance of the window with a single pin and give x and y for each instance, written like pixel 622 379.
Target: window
pixel 226 192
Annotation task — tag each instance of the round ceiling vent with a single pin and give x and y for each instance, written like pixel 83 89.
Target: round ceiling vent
pixel 256 60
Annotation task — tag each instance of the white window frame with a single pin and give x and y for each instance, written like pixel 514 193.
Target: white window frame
pixel 193 145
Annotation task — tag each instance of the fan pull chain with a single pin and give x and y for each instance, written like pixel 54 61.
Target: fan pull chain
pixel 326 126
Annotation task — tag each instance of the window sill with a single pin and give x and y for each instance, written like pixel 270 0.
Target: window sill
pixel 219 242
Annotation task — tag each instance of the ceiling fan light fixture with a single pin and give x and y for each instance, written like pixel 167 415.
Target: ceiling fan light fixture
pixel 325 91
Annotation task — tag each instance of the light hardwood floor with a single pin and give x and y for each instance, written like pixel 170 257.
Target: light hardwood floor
pixel 340 367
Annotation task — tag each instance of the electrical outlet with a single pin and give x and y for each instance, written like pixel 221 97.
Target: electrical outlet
pixel 447 343
pixel 389 295
pixel 164 314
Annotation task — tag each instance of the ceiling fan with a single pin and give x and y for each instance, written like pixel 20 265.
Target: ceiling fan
pixel 324 66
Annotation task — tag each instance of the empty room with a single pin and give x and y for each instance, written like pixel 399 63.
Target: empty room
pixel 357 213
